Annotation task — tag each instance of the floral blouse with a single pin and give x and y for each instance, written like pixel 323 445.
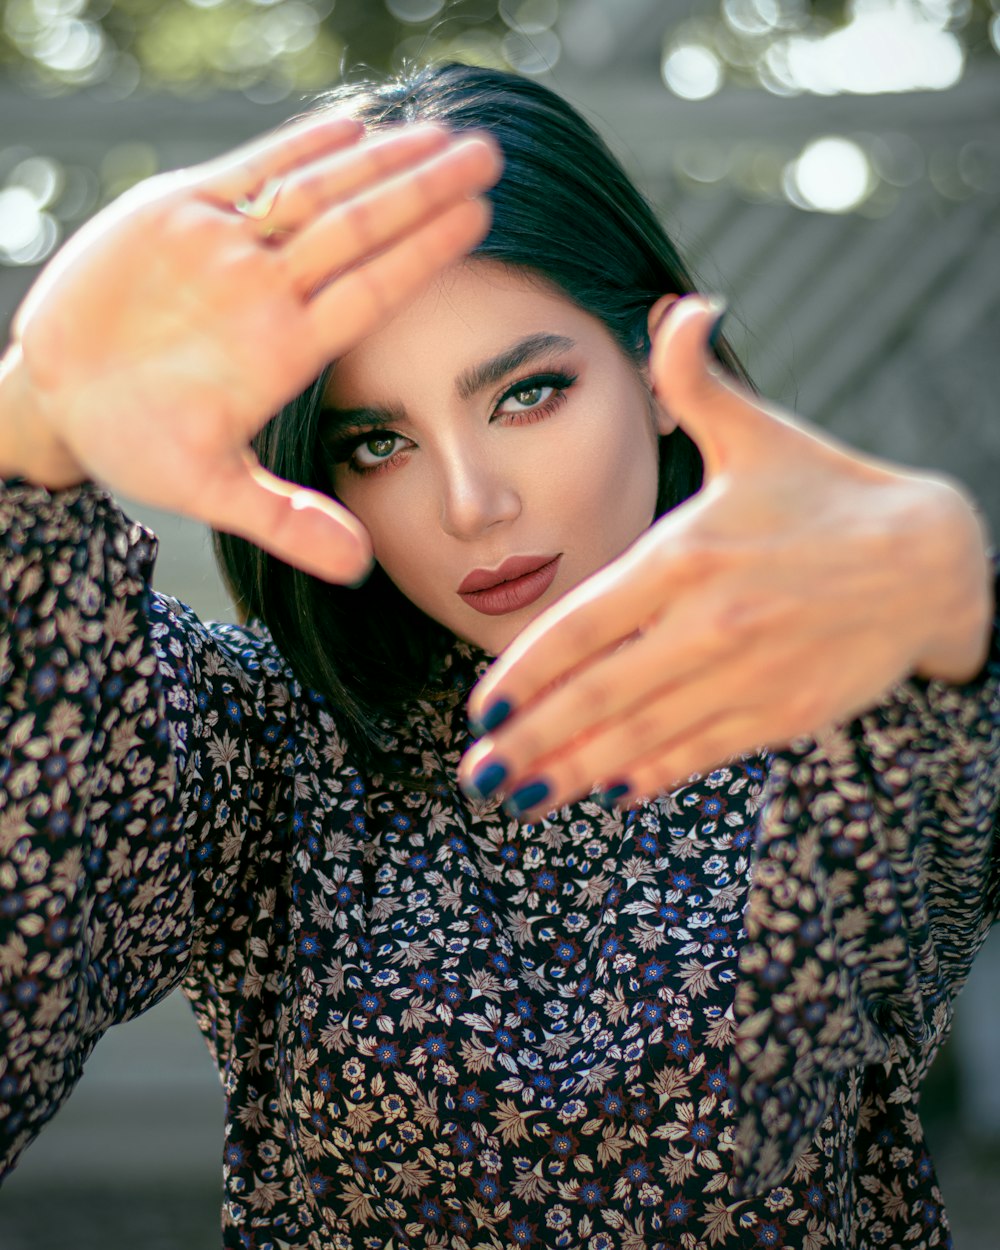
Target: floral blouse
pixel 699 1023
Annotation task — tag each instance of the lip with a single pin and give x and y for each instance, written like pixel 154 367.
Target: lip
pixel 518 582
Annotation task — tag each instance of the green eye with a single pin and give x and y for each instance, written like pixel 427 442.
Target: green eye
pixel 375 450
pixel 530 396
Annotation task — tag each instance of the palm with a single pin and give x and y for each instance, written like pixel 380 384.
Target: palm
pixel 798 585
pixel 169 331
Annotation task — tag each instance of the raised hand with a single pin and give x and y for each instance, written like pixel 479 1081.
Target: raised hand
pixel 175 324
pixel 789 594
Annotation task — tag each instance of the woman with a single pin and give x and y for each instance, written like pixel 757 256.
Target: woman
pixel 553 1009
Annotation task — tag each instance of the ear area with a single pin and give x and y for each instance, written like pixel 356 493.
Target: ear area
pixel 665 423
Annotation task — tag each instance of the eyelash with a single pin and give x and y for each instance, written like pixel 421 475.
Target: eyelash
pixel 343 449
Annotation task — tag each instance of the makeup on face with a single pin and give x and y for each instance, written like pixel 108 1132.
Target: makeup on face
pixel 516 584
pixel 497 444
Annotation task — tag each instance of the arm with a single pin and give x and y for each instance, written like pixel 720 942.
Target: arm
pixel 142 756
pixel 876 881
pixel 97 910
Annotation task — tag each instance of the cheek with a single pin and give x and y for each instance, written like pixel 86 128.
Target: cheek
pixel 402 539
pixel 615 480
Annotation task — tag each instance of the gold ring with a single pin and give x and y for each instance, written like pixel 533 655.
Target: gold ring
pixel 259 206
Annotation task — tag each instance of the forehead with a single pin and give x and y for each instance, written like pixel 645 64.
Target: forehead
pixel 472 310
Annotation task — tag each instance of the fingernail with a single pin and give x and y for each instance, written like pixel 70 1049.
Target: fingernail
pixel 360 581
pixel 492 718
pixel 487 780
pixel 609 797
pixel 527 796
pixel 720 308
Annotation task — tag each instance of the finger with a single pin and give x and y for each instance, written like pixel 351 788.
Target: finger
pixel 345 311
pixel 599 615
pixel 313 188
pixel 610 753
pixel 726 741
pixel 731 426
pixel 597 698
pixel 245 170
pixel 302 527
pixel 354 231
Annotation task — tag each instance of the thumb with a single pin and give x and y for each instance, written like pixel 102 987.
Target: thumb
pixel 713 409
pixel 303 527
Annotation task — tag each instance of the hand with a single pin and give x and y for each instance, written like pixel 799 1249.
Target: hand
pixel 173 326
pixel 798 585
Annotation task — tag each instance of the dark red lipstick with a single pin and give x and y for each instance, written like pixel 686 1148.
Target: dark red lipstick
pixel 518 582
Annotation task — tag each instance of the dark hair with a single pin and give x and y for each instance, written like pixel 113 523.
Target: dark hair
pixel 563 209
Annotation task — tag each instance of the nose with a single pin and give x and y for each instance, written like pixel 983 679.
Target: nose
pixel 476 494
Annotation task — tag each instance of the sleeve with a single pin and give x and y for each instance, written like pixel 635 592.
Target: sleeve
pixel 112 697
pixel 875 882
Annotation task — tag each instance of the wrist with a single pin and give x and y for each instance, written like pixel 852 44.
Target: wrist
pixel 28 447
pixel 961 625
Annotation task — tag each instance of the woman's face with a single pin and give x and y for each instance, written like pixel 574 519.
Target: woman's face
pixel 497 444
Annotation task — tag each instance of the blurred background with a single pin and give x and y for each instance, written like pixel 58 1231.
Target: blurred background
pixel 831 166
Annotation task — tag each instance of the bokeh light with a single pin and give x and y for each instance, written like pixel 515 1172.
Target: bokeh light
pixel 692 71
pixel 830 175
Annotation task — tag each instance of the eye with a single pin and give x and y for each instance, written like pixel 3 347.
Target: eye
pixel 527 397
pixel 376 449
pixel 534 398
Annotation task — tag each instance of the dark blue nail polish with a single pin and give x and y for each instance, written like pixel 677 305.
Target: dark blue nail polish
pixel 488 780
pixel 609 797
pixel 527 796
pixel 716 331
pixel 491 719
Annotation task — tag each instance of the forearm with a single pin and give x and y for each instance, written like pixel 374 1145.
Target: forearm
pixel 28 446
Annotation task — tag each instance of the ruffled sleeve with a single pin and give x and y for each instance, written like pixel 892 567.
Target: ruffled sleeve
pixel 121 717
pixel 875 883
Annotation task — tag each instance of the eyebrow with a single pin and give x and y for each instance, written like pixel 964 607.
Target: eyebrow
pixel 477 378
pixel 469 382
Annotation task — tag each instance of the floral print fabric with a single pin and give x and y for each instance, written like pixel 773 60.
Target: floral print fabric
pixel 700 1023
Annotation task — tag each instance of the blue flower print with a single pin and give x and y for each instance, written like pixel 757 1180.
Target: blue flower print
pixel 387 1054
pixel 678 1211
pixel 488 1189
pixel 429 1211
pixel 464 1145
pixel 470 1098
pixel 435 1045
pixel 521 1232
pixel 612 1103
pixel 563 1145
pixel 591 1194
pixel 370 1003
